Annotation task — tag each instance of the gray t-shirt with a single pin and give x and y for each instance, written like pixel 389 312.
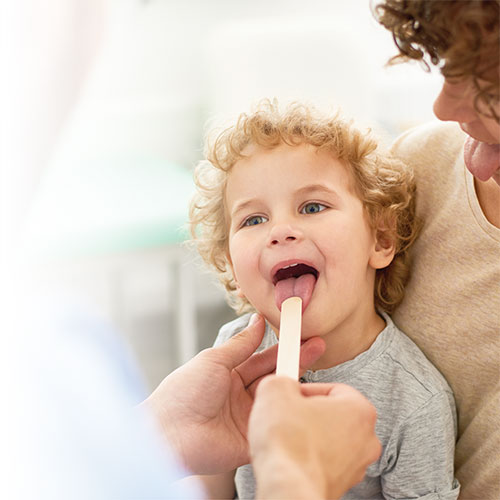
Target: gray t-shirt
pixel 416 417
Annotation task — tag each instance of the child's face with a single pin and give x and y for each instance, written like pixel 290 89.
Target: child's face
pixel 294 205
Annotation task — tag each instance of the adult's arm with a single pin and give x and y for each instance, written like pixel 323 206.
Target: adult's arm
pixel 203 407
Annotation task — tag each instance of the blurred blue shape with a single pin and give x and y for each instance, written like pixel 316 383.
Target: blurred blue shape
pixel 75 423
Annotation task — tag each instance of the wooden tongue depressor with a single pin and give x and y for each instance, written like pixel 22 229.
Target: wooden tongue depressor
pixel 289 341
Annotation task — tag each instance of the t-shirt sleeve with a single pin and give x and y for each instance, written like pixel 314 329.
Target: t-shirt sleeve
pixel 232 328
pixel 419 461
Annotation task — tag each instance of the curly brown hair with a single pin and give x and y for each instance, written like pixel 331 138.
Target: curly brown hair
pixel 461 37
pixel 384 184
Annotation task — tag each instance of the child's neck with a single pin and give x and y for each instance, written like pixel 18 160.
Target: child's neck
pixel 349 339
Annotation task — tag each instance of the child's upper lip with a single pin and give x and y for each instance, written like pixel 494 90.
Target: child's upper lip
pixel 287 263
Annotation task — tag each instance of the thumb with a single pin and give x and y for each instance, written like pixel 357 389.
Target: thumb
pixel 275 386
pixel 275 392
pixel 242 345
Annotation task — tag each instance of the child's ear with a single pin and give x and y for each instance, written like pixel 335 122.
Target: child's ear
pixel 238 290
pixel 384 249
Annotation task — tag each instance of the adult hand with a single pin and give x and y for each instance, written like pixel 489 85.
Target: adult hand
pixel 203 406
pixel 310 440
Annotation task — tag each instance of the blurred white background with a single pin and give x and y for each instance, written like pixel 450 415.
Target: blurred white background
pixel 105 104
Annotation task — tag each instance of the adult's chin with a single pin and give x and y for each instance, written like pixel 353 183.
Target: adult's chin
pixel 496 177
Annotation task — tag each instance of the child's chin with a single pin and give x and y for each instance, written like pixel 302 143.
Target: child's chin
pixel 306 336
pixel 310 328
pixel 274 325
pixel 307 331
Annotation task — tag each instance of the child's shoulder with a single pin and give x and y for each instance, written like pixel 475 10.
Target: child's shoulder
pixel 240 323
pixel 409 368
pixel 404 386
pixel 232 328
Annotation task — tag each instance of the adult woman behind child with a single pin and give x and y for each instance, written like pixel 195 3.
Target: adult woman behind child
pixel 451 307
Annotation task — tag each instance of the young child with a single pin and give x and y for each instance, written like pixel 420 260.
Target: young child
pixel 291 203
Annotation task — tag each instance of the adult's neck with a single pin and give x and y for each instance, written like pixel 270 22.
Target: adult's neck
pixel 488 194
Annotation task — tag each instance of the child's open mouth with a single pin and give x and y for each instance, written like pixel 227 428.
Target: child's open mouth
pixel 294 280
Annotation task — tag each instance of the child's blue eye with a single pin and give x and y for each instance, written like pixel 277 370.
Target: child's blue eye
pixel 254 220
pixel 312 208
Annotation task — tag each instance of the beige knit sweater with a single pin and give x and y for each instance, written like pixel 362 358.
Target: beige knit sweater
pixel 452 303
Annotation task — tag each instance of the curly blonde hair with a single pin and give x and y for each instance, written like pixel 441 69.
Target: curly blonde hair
pixel 385 186
pixel 461 37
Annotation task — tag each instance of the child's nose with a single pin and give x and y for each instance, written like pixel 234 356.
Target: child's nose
pixel 284 233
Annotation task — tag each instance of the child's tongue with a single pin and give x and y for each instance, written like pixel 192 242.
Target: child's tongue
pixel 302 287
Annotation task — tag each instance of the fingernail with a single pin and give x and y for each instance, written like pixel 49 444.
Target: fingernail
pixel 254 318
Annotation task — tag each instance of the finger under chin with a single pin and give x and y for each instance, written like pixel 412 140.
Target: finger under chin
pixel 258 365
pixel 310 351
pixel 263 363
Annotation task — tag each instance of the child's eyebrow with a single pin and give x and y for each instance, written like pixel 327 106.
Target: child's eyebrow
pixel 317 188
pixel 241 205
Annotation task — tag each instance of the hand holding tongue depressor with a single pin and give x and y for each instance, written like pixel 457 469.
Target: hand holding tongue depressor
pixel 289 341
